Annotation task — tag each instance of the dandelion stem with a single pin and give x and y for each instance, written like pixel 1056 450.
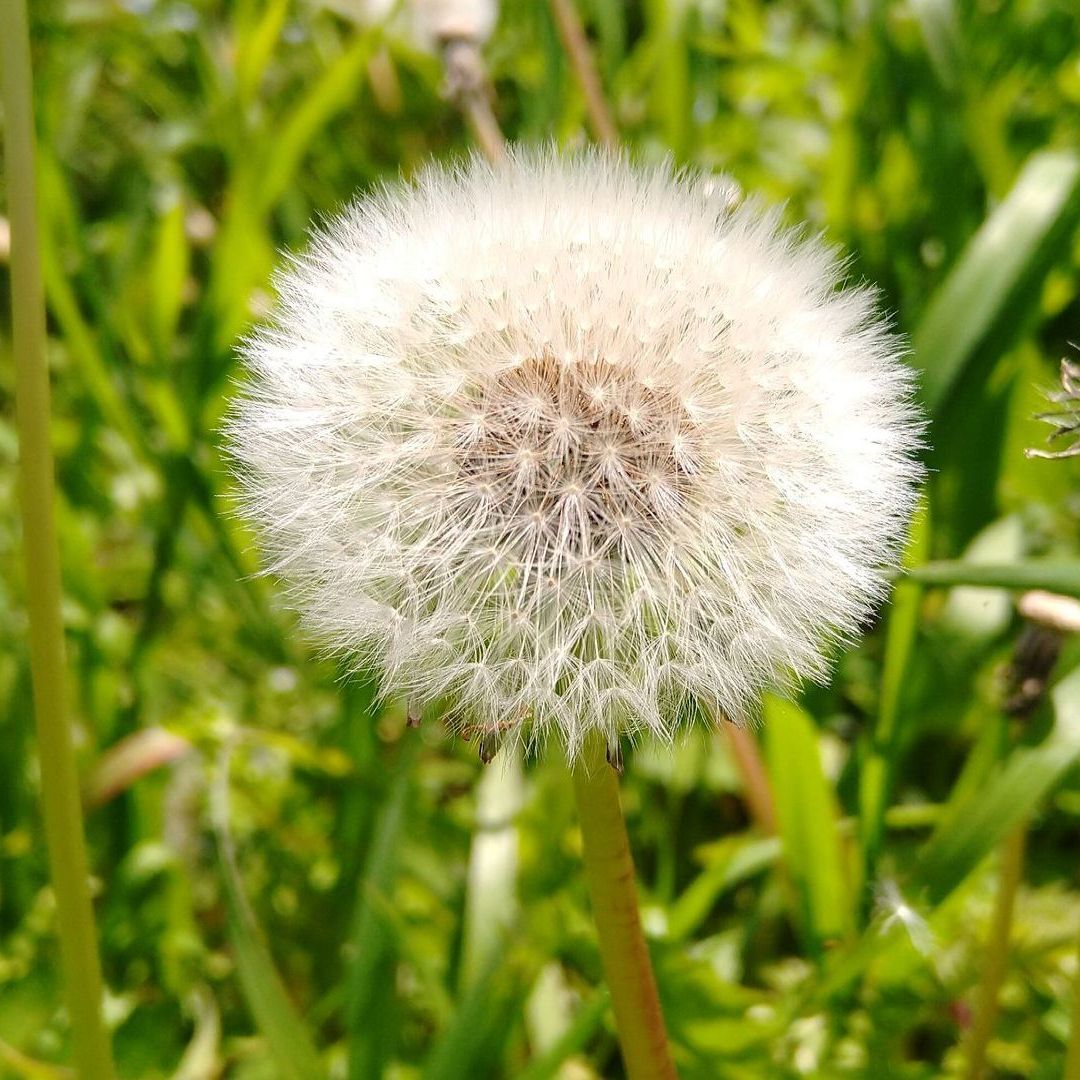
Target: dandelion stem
pixel 580 55
pixel 997 953
pixel 609 870
pixel 468 86
pixel 59 775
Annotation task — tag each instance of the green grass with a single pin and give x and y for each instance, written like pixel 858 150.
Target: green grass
pixel 181 146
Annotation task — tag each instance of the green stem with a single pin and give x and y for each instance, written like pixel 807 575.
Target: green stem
pixel 1072 1054
pixel 997 952
pixel 59 775
pixel 609 870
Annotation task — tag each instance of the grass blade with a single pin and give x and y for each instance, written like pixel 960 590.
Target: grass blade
pixel 371 936
pixel 941 35
pixel 491 895
pixel 332 92
pixel 807 820
pixel 467 1048
pixel 734 860
pixel 256 48
pixel 169 268
pixel 883 745
pixel 287 1038
pixel 589 1018
pixel 983 298
pixel 1027 777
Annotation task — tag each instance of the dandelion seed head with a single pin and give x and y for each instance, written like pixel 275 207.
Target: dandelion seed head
pixel 570 445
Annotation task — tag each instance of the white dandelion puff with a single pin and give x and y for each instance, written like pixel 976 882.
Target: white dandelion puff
pixel 426 23
pixel 566 445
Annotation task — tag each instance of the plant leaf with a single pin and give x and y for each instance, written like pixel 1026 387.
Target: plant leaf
pixel 733 860
pixel 807 820
pixel 491 891
pixel 1058 577
pixel 482 1018
pixel 287 1038
pixel 588 1018
pixel 1026 778
pixel 882 745
pixel 372 933
pixel 1004 262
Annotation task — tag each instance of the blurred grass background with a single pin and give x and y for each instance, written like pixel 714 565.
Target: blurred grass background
pixel 289 883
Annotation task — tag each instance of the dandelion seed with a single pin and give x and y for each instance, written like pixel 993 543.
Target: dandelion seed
pixel 894 910
pixel 668 465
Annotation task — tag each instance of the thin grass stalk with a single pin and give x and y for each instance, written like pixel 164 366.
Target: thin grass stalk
pixel 609 870
pixel 1072 1053
pixel 746 754
pixel 576 44
pixel 68 861
pixel 996 958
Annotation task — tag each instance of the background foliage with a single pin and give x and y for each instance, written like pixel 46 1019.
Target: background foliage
pixel 290 882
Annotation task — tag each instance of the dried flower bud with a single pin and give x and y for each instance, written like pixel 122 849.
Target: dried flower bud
pixel 456 20
pixel 1066 420
pixel 427 23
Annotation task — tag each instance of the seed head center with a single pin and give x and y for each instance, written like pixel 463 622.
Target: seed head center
pixel 581 456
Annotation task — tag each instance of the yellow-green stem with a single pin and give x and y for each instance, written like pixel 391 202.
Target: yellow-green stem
pixel 609 870
pixel 59 776
pixel 997 953
pixel 1072 1055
